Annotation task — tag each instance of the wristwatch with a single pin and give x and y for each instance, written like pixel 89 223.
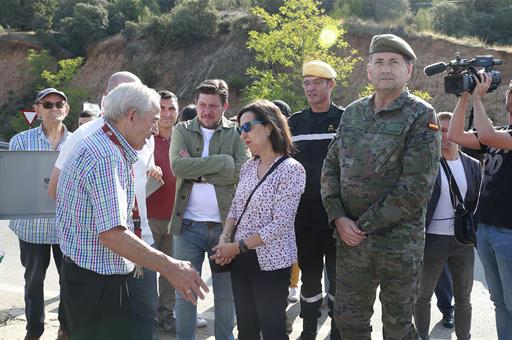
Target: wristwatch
pixel 243 247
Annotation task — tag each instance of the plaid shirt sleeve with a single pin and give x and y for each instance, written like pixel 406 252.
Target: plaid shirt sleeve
pixel 108 195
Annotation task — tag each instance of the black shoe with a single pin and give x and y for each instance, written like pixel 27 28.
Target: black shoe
pixel 448 321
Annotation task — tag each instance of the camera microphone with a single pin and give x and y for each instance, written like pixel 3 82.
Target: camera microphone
pixel 436 68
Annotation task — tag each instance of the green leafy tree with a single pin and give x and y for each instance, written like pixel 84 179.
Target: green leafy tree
pixel 193 20
pixel 38 62
pixel 166 5
pixel 390 9
pixel 423 19
pixel 378 10
pixel 298 33
pixel 88 25
pixel 493 26
pixel 121 11
pixel 271 6
pixel 451 19
pixel 65 8
pixel 189 21
pixel 27 15
pixel 41 65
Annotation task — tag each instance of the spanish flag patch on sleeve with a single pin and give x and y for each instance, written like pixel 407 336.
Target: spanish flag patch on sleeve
pixel 433 126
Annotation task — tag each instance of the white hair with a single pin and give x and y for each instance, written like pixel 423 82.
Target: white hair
pixel 130 96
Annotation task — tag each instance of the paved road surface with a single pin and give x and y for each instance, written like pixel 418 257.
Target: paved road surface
pixel 12 318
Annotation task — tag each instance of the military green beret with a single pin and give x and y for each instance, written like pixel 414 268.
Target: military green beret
pixel 317 68
pixel 391 43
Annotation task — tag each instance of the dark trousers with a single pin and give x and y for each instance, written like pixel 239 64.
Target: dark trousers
pixel 35 258
pixel 444 292
pixel 312 246
pixel 260 298
pixel 97 306
pixel 441 249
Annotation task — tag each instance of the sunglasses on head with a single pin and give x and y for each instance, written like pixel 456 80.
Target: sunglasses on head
pixel 248 126
pixel 50 105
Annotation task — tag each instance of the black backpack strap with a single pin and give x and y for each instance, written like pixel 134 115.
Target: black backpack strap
pixel 454 189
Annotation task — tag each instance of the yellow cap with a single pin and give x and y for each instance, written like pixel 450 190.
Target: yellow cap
pixel 317 68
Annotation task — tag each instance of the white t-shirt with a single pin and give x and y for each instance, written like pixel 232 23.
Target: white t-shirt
pixel 442 220
pixel 145 161
pixel 202 204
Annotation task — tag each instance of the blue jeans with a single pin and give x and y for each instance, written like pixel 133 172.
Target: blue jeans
pixel 144 303
pixel 495 250
pixel 196 239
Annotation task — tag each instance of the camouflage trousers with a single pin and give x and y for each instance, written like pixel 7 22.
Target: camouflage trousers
pixel 358 274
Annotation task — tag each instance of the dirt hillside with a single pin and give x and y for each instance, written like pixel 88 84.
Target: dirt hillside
pixel 181 70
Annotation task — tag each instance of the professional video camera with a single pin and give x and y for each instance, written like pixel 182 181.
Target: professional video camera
pixel 461 77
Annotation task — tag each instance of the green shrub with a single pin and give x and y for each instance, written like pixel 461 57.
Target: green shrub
pixel 423 20
pixel 450 19
pixel 190 21
pixel 193 20
pixel 87 25
pixel 270 6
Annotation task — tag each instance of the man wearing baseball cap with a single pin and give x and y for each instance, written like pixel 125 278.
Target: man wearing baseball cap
pixel 38 236
pixel 376 181
pixel 312 130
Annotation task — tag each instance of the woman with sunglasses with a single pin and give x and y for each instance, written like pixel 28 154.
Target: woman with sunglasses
pixel 264 240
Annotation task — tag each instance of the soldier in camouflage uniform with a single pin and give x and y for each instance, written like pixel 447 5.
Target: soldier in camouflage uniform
pixel 376 180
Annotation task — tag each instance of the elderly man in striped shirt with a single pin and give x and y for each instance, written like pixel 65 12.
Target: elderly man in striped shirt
pixel 38 237
pixel 95 202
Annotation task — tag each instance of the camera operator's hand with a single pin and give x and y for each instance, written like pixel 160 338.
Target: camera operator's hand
pixel 482 86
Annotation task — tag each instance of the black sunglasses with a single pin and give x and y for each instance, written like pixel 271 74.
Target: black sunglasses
pixel 50 105
pixel 248 126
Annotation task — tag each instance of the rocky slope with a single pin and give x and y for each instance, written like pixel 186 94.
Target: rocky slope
pixel 226 56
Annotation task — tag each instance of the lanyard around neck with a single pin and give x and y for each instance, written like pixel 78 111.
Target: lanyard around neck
pixel 135 211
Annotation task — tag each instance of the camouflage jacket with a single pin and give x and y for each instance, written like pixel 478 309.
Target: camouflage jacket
pixel 380 170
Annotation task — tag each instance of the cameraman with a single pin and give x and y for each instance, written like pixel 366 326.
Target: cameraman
pixel 494 235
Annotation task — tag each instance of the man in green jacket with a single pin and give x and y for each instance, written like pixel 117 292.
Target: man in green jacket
pixel 376 181
pixel 206 155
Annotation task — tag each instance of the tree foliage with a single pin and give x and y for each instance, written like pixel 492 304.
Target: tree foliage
pixel 292 38
pixel 270 6
pixel 41 65
pixel 189 22
pixel 121 11
pixel 27 15
pixel 88 24
pixel 378 10
pixel 488 20
pixel 193 20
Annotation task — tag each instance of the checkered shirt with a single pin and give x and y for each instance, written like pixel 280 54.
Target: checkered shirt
pixel 95 194
pixel 35 230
